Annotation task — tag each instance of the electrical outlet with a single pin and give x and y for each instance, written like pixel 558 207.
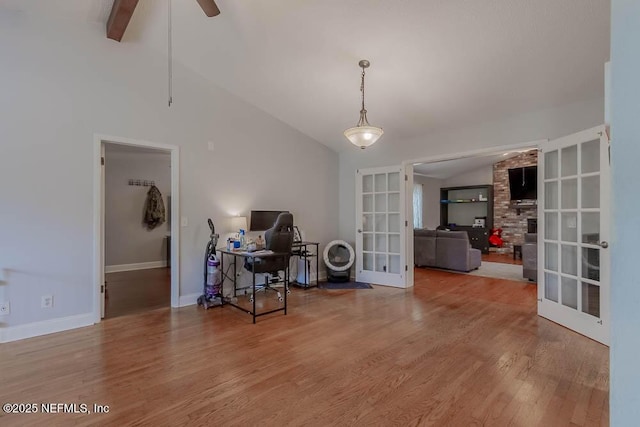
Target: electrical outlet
pixel 46 301
pixel 5 308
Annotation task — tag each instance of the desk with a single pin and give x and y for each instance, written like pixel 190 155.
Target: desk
pixel 300 250
pixel 252 255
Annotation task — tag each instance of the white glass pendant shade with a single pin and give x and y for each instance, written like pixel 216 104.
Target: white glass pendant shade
pixel 363 136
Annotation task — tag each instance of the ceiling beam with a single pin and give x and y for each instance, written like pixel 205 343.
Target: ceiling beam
pixel 209 7
pixel 119 18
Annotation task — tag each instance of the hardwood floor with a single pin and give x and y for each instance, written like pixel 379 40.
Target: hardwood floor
pixel 131 292
pixel 454 350
pixel 501 258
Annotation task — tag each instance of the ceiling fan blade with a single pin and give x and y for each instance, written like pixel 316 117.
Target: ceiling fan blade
pixel 210 8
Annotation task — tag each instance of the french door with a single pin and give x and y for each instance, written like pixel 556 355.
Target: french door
pixel 380 224
pixel 573 220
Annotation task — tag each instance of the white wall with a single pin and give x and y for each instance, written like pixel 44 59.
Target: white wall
pixel 65 81
pixel 479 176
pixel 625 155
pixel 127 239
pixel 430 200
pixel 549 123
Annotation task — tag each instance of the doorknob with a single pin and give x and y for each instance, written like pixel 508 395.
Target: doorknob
pixel 604 244
pixel 359 231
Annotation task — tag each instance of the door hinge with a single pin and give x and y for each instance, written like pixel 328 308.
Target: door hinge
pixel 406 268
pixel 406 223
pixel 102 289
pixel 406 178
pixel 539 299
pixel 102 161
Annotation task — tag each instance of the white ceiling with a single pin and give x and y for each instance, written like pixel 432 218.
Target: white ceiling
pixel 435 64
pixel 450 168
pixel 95 11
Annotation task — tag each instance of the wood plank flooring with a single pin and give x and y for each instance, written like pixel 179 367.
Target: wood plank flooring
pixel 454 350
pixel 501 258
pixel 131 292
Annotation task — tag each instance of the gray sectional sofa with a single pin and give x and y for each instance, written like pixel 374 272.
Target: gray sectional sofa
pixel 444 249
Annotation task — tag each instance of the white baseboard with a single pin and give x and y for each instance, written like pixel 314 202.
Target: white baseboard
pixel 136 266
pixel 45 327
pixel 186 300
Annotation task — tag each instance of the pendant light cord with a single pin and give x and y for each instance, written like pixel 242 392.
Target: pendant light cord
pixel 362 89
pixel 363 113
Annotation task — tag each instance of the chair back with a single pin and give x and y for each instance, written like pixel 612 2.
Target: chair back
pixel 279 238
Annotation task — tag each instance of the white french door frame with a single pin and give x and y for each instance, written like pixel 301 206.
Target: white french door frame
pixel 597 328
pixel 408 229
pixel 98 216
pixel 387 278
pixel 408 166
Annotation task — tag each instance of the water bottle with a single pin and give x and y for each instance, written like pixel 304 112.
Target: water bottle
pixel 242 239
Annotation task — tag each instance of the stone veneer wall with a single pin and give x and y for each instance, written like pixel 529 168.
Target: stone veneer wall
pixel 513 225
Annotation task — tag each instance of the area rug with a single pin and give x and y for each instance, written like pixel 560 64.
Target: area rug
pixel 499 270
pixel 344 285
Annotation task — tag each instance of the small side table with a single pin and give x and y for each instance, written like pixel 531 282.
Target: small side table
pixel 299 249
pixel 517 251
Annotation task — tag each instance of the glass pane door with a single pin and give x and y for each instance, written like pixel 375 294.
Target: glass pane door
pixel 380 239
pixel 574 214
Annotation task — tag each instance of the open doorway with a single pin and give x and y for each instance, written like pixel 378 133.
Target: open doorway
pixel 469 218
pixel 137 229
pixel 137 233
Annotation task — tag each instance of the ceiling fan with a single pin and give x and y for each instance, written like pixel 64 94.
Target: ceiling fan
pixel 122 11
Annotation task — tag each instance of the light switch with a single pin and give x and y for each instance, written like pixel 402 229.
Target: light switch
pixel 184 221
pixel 212 146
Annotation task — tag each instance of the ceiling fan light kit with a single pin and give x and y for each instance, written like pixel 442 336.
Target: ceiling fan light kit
pixel 363 134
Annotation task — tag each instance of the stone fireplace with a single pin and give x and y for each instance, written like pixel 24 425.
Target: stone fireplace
pixel 514 222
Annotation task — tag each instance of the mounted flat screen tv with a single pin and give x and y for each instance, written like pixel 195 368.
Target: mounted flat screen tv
pixel 523 183
pixel 263 220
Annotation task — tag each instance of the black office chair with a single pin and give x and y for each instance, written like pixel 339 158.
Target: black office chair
pixel 278 238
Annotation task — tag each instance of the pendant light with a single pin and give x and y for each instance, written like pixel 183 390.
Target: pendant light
pixel 363 134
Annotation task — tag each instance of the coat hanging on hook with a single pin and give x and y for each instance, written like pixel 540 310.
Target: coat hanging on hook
pixel 154 212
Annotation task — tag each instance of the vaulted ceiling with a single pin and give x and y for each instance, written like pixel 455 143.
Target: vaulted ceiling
pixel 435 64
